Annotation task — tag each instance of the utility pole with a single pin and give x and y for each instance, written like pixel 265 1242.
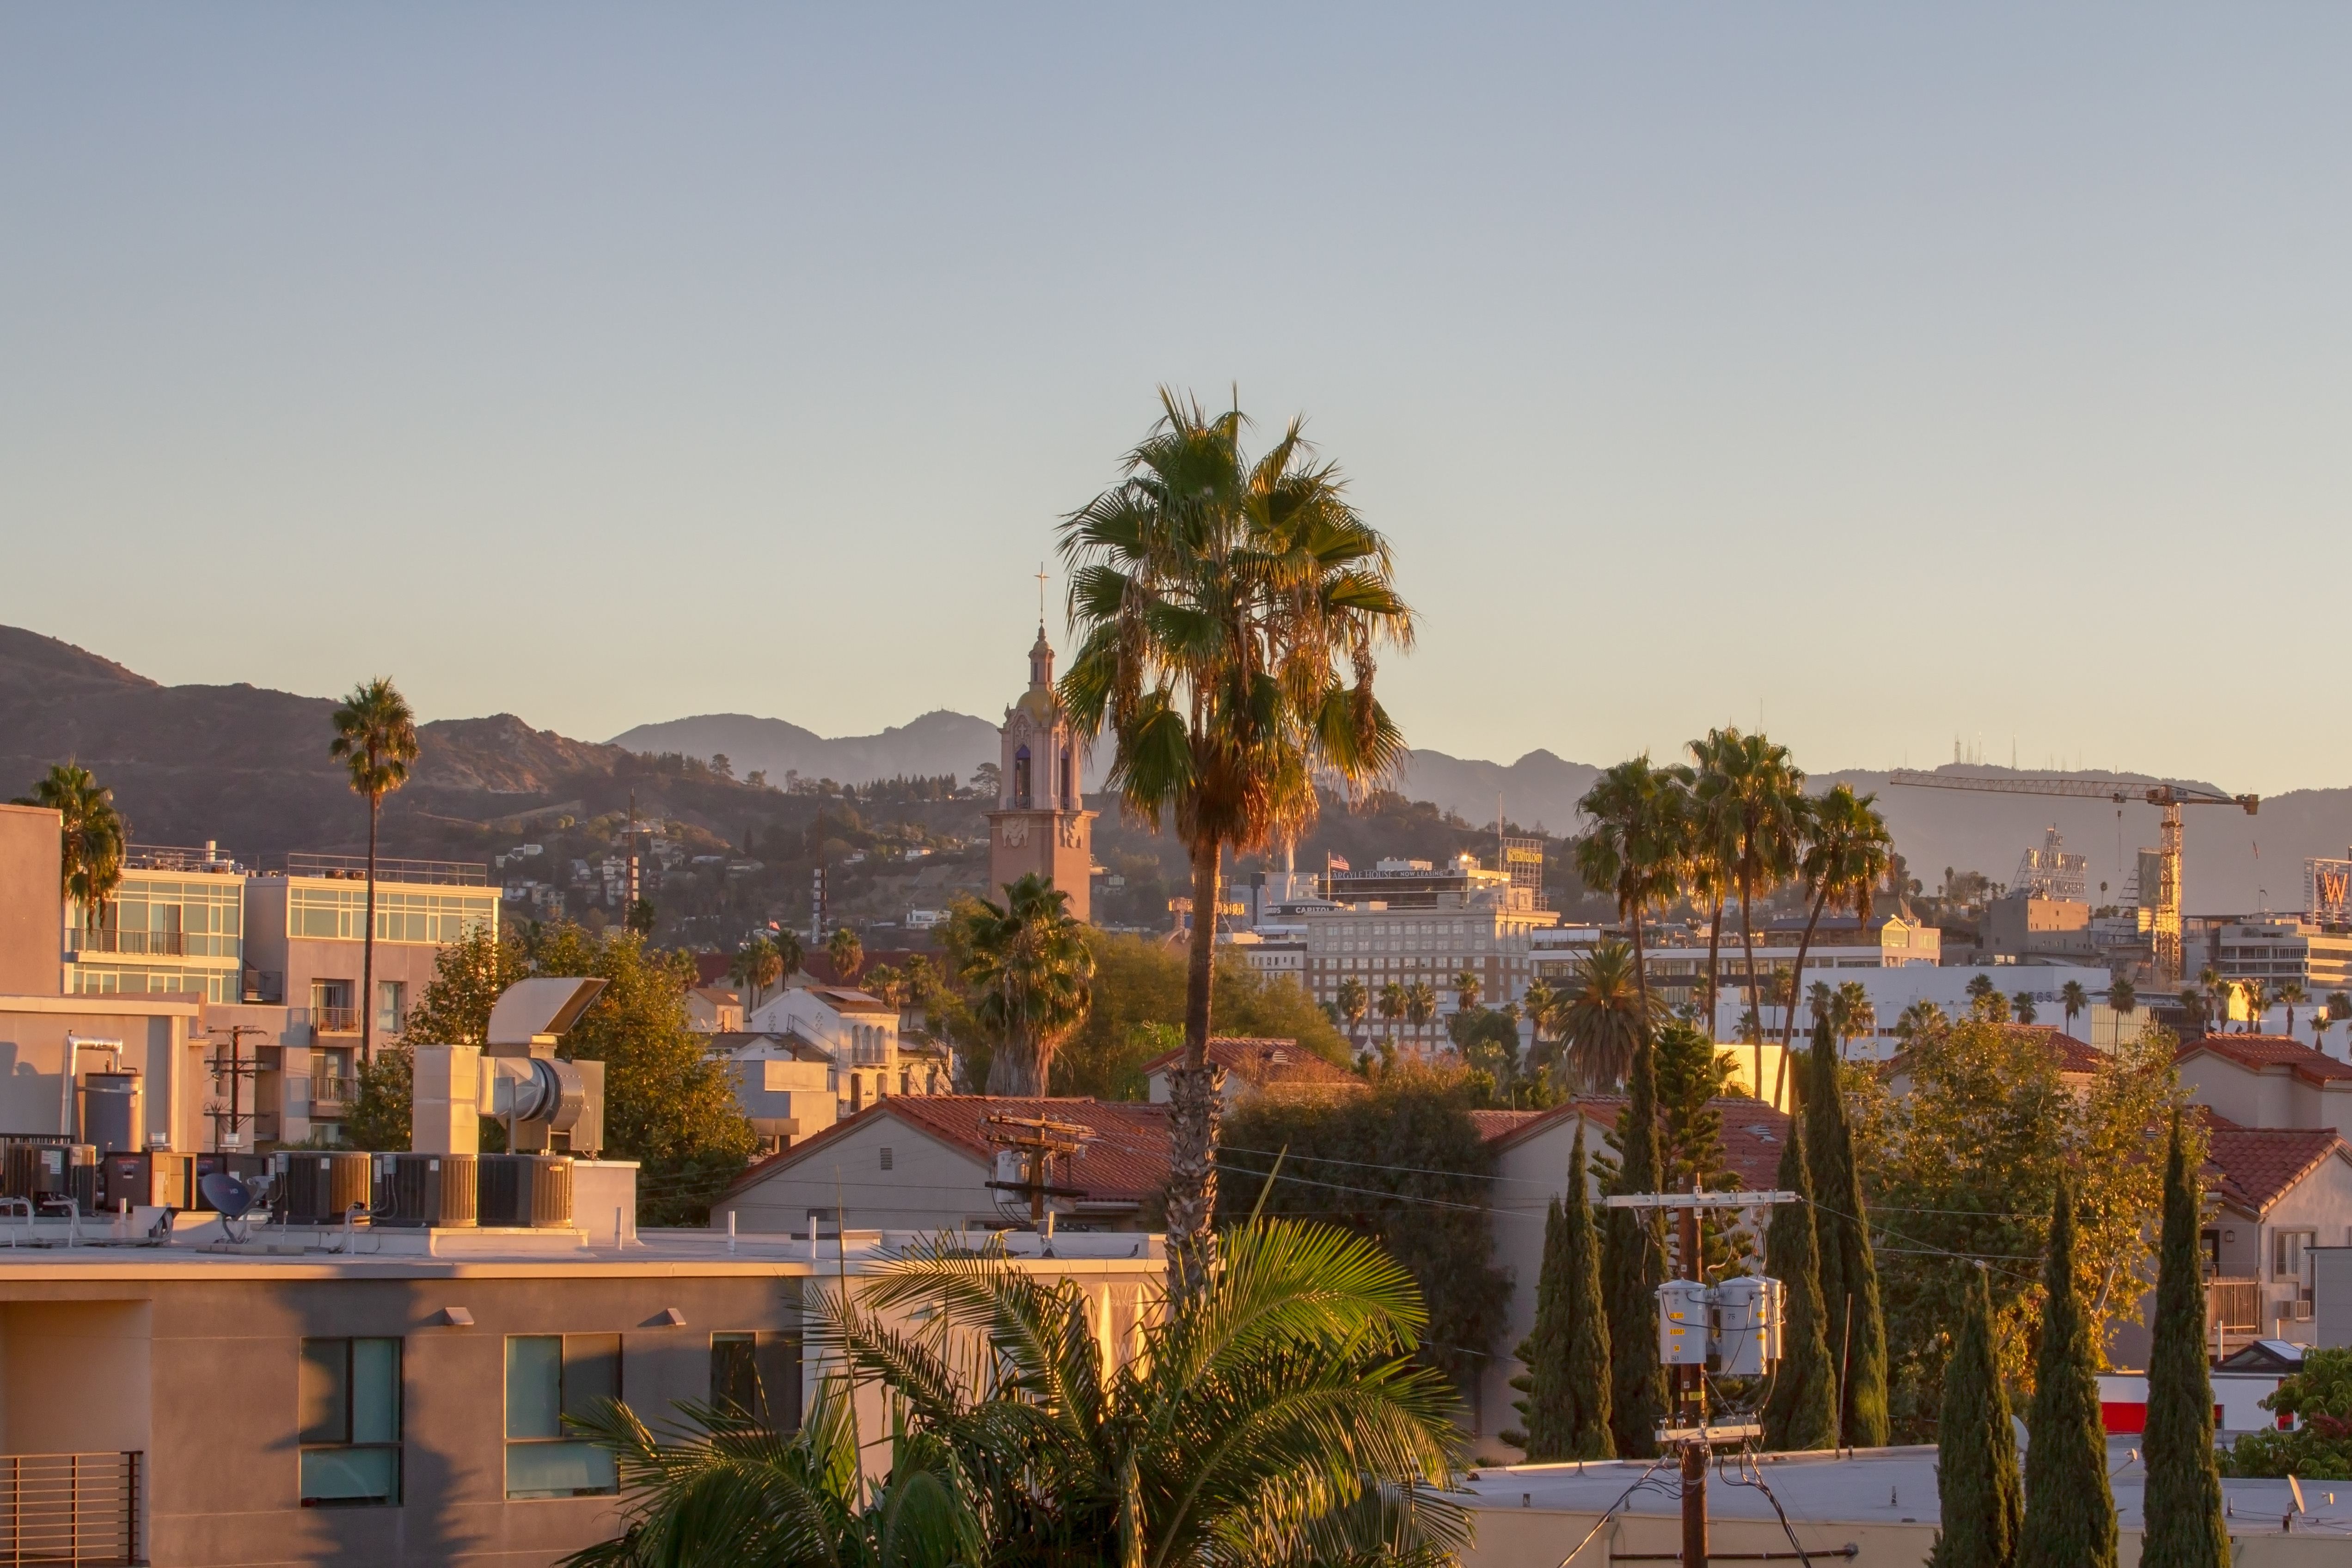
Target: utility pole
pixel 237 1069
pixel 1039 1140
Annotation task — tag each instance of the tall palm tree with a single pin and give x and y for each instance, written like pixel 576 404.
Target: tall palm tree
pixel 789 953
pixel 1603 1018
pixel 2292 993
pixel 1843 854
pixel 1355 1003
pixel 848 953
pixel 1467 988
pixel 375 739
pixel 2259 998
pixel 755 967
pixel 89 863
pixel 2023 1007
pixel 1031 974
pixel 1710 847
pixel 2122 996
pixel 1918 1022
pixel 1393 1002
pixel 1760 793
pixel 1421 1006
pixel 1635 849
pixel 2073 999
pixel 2217 999
pixel 1851 1015
pixel 1229 613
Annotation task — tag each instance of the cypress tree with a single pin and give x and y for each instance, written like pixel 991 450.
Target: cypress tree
pixel 2183 1512
pixel 1856 1324
pixel 1636 1260
pixel 1802 1410
pixel 2070 1512
pixel 1976 1449
pixel 1542 1351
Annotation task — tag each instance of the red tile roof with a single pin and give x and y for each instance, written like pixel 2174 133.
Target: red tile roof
pixel 2250 1168
pixel 1127 1158
pixel 1753 1133
pixel 2260 1052
pixel 1262 1063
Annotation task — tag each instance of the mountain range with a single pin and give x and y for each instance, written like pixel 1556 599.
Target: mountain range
pixel 248 766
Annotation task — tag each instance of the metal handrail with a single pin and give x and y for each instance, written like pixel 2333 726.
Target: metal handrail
pixel 70 1509
pixel 451 873
pixel 335 1020
pixel 111 939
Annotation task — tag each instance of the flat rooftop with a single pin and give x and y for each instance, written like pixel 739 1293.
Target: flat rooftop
pixel 1824 1493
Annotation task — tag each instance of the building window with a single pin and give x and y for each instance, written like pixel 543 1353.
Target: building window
pixel 350 1422
pixel 1020 777
pixel 552 1378
pixel 2290 1257
pixel 390 1005
pixel 759 1375
pixel 735 1372
pixel 331 1009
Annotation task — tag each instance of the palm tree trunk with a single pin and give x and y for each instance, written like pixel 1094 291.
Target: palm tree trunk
pixel 1640 971
pixel 1795 989
pixel 367 948
pixel 1754 999
pixel 1194 1092
pixel 1714 945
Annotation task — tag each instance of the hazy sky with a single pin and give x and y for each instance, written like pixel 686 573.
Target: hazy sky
pixel 1897 373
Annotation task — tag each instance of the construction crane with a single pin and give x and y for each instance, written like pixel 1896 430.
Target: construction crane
pixel 2168 798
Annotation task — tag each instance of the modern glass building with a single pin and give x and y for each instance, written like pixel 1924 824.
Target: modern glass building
pixel 165 931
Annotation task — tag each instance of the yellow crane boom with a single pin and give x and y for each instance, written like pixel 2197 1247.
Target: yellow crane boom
pixel 2166 798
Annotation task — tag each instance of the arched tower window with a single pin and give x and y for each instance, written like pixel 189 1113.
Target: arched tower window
pixel 1020 795
pixel 1069 779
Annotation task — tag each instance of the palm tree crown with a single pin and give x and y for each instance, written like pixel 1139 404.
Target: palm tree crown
pixel 89 865
pixel 1028 963
pixel 1603 1017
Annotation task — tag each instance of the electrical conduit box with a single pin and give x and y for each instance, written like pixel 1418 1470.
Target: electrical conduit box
pixel 1681 1324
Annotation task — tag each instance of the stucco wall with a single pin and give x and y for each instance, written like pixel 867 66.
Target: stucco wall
pixel 32 910
pixel 154 1032
pixel 929 1186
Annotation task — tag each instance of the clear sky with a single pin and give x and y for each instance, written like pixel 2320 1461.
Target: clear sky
pixel 1892 371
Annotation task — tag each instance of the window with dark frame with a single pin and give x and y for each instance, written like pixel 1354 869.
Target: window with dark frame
pixel 735 1372
pixel 349 1422
pixel 552 1379
pixel 758 1375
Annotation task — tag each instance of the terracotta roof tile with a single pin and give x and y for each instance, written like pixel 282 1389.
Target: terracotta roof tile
pixel 1753 1133
pixel 2261 1051
pixel 1261 1062
pixel 2253 1167
pixel 1127 1158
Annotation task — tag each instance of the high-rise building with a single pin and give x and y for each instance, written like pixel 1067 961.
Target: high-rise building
pixel 1040 823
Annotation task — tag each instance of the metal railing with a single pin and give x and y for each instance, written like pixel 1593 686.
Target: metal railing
pixel 69 1508
pixel 447 873
pixel 178 858
pixel 335 1020
pixel 333 1090
pixel 2233 1306
pixel 107 939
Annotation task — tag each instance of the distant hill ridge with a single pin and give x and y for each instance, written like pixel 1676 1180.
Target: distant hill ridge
pixel 248 766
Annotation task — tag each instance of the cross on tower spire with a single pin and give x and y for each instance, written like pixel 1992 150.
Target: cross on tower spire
pixel 1041 596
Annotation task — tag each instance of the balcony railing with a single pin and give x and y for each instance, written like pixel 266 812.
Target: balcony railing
pixel 69 1508
pixel 2233 1314
pixel 154 944
pixel 335 1020
pixel 333 1091
pixel 449 873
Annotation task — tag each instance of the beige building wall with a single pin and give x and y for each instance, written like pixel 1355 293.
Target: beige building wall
pixel 32 908
pixel 159 1042
pixel 928 1185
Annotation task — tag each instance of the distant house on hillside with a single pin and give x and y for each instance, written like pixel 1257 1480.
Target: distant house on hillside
pixel 1256 1067
pixel 859 1037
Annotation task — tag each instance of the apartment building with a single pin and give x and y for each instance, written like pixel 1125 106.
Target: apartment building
pixel 175 927
pixel 1411 921
pixel 2276 950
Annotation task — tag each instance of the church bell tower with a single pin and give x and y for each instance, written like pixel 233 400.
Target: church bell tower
pixel 1041 823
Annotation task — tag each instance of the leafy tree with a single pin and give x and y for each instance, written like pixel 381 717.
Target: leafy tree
pixel 1566 1356
pixel 2183 1511
pixel 1633 851
pixel 1605 1016
pixel 665 1105
pixel 1634 1260
pixel 89 865
pixel 1028 968
pixel 1229 613
pixel 468 977
pixel 1849 1264
pixel 1488 1040
pixel 1803 1409
pixel 2319 1447
pixel 642 917
pixel 1403 1165
pixel 375 739
pixel 1691 1074
pixel 2070 1511
pixel 1976 1483
pixel 848 954
pixel 381 1115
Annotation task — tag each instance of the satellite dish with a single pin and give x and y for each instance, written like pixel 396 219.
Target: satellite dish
pixel 232 1197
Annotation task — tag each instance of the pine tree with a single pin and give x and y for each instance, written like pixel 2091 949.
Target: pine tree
pixel 1636 1261
pixel 2070 1512
pixel 1802 1410
pixel 2184 1519
pixel 1976 1449
pixel 1857 1324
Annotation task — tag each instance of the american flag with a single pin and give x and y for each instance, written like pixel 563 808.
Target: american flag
pixel 1339 864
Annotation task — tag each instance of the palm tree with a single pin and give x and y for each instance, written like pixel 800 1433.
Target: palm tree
pixel 755 967
pixel 1393 1002
pixel 1536 1005
pixel 1604 1017
pixel 1919 1020
pixel 1633 850
pixel 2073 999
pixel 848 954
pixel 2122 996
pixel 2258 1000
pixel 1354 1003
pixel 376 738
pixel 1761 794
pixel 1821 1000
pixel 2217 998
pixel 1467 988
pixel 1845 850
pixel 1229 616
pixel 1980 987
pixel 1419 1004
pixel 1710 847
pixel 2192 1011
pixel 2293 994
pixel 2023 1005
pixel 1284 1422
pixel 90 863
pixel 1851 1015
pixel 1031 974
pixel 789 953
